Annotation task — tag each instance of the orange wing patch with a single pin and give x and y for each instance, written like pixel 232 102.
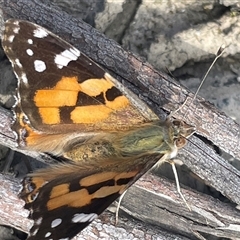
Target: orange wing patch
pixel 66 94
pixel 62 195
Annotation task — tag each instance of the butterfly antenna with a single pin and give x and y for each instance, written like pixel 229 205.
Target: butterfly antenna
pixel 218 55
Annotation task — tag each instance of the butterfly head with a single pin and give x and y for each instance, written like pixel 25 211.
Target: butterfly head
pixel 181 131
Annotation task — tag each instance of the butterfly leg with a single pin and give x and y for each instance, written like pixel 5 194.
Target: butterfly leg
pixel 118 206
pixel 177 183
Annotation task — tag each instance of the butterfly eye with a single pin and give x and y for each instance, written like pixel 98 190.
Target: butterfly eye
pixel 180 142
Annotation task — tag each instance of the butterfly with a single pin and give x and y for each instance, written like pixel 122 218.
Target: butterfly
pixel 70 107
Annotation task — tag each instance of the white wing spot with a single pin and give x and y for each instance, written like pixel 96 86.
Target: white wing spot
pixel 29 52
pixel 39 65
pixel 24 79
pixel 16 22
pixel 40 33
pixel 11 38
pixel 30 41
pixel 35 232
pixel 82 217
pixel 16 99
pixel 64 239
pixel 39 221
pixel 16 30
pixel 17 62
pixel 66 56
pixel 56 222
pixel 48 234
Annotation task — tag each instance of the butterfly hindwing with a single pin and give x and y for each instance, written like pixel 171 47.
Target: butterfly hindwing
pixel 64 203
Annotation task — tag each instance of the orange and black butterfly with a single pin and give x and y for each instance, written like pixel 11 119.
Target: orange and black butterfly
pixel 70 107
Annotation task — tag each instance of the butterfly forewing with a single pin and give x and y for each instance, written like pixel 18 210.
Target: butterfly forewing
pixel 67 87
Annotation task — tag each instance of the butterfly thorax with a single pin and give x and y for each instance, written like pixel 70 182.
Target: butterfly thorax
pixel 162 138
